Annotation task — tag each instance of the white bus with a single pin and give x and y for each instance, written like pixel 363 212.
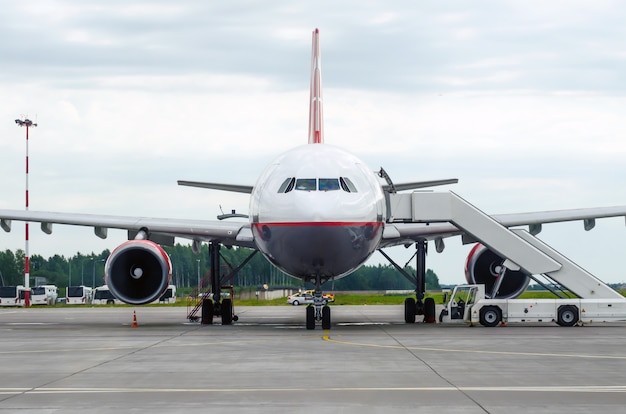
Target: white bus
pixel 44 295
pixel 12 295
pixel 169 296
pixel 103 296
pixel 78 295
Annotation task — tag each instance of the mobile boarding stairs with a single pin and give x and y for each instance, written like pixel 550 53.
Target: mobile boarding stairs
pixel 520 248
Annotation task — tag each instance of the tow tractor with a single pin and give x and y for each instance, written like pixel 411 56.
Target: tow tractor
pixel 458 304
pixel 468 304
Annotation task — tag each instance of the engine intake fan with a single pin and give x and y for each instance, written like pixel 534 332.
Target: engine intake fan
pixel 138 272
pixel 483 267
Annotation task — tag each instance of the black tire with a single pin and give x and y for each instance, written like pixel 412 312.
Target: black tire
pixel 429 310
pixel 490 316
pixel 409 310
pixel 295 303
pixel 326 317
pixel 310 317
pixel 442 314
pixel 227 312
pixel 207 312
pixel 567 315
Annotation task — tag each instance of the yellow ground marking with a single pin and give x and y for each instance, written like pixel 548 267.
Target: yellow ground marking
pixel 327 338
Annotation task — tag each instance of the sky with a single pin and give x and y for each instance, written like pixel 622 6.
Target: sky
pixel 522 101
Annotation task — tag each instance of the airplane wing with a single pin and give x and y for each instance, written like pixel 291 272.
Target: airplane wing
pixel 403 233
pixel 237 233
pixel 231 233
pixel 218 186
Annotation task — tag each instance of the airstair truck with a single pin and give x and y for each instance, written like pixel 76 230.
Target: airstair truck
pixel 468 304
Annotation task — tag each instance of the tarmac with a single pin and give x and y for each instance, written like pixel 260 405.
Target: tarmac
pixel 92 360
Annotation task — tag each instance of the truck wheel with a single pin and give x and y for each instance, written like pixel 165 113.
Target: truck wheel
pixel 409 310
pixel 490 316
pixel 443 313
pixel 567 315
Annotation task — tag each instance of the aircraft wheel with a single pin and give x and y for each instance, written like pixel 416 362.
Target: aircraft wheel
pixel 429 310
pixel 310 317
pixel 567 315
pixel 490 316
pixel 326 317
pixel 227 312
pixel 409 310
pixel 207 312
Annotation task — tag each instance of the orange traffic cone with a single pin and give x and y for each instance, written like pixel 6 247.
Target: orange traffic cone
pixel 134 325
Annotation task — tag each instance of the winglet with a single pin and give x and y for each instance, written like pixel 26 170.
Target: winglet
pixel 316 119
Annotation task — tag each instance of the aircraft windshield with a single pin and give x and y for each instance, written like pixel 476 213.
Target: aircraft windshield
pixel 328 184
pixel 317 184
pixel 306 184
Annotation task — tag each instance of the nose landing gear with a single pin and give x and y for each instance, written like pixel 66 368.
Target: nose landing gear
pixel 319 310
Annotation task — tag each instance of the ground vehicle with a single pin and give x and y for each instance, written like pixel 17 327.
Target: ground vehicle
pixel 302 298
pixel 330 297
pixel 169 296
pixel 103 296
pixel 78 295
pixel 44 295
pixel 468 303
pixel 12 295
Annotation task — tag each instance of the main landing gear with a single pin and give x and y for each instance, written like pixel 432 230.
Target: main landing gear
pixel 318 310
pixel 419 305
pixel 218 306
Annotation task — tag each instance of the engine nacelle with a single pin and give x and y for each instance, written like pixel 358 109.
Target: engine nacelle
pixel 138 272
pixel 483 266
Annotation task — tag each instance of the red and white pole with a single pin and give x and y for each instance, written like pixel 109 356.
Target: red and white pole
pixel 26 123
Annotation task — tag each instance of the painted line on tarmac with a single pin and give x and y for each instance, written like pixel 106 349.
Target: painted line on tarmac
pixel 103 390
pixel 326 337
pixel 30 323
pixel 165 344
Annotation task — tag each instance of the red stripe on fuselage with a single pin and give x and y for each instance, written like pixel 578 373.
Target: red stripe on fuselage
pixel 320 224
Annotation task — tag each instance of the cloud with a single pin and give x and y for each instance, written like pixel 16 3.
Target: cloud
pixel 523 102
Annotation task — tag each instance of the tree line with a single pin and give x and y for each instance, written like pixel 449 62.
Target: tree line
pixel 191 270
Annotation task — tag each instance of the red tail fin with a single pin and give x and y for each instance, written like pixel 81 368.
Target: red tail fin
pixel 316 119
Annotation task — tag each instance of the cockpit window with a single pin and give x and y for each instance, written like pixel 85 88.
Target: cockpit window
pixel 306 184
pixel 328 184
pixel 314 184
pixel 287 185
pixel 347 185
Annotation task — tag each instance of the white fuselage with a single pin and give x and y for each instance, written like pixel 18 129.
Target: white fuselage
pixel 317 210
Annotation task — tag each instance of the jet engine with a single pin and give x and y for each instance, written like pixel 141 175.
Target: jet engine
pixel 138 272
pixel 483 267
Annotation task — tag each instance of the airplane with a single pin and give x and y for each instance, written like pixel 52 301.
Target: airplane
pixel 317 213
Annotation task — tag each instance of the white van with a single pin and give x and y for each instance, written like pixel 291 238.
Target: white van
pixel 103 296
pixel 12 295
pixel 44 295
pixel 169 296
pixel 78 295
